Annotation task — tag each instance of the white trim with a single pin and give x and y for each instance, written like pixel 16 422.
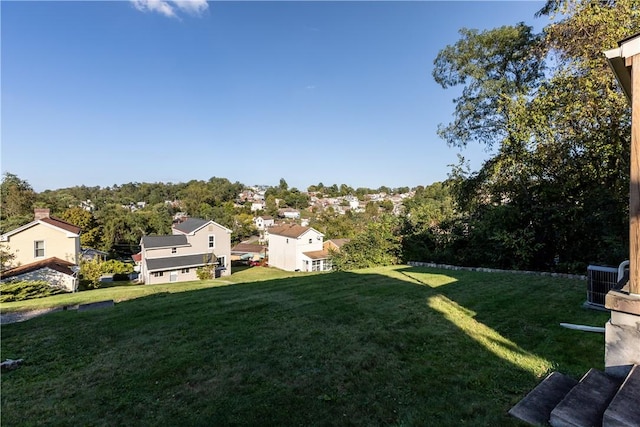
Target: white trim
pixel 5 236
pixel 630 47
pixel 204 225
pixel 44 250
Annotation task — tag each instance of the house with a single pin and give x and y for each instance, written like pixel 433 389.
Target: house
pixel 258 206
pixel 335 244
pixel 55 271
pixel 289 213
pixel 293 247
pixel 248 252
pixel 194 243
pixel 91 254
pixel 44 237
pixel 263 222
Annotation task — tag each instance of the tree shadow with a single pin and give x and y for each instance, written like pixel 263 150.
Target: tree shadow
pixel 405 346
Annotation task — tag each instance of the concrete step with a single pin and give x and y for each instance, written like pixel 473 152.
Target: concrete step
pixel 585 404
pixel 535 408
pixel 624 410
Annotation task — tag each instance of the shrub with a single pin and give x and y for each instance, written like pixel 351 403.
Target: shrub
pixel 206 273
pixel 26 289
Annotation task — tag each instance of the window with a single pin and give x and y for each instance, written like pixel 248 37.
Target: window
pixel 310 241
pixel 174 250
pixel 287 240
pixel 185 271
pixel 38 248
pixel 222 261
pixel 315 265
pixel 158 274
pixel 212 241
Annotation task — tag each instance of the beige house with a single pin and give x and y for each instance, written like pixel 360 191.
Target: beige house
pixel 293 247
pixel 44 237
pixel 194 243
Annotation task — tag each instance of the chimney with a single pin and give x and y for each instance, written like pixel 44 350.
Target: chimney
pixel 41 213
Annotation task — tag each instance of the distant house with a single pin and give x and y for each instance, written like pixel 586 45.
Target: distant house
pixel 248 252
pixel 334 244
pixel 44 237
pixel 55 271
pixel 91 254
pixel 263 222
pixel 194 243
pixel 293 247
pixel 257 206
pixel 289 213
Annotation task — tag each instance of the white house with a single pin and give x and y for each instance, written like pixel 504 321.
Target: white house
pixel 263 222
pixel 293 247
pixel 55 271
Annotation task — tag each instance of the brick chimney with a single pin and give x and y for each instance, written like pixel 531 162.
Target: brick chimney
pixel 41 213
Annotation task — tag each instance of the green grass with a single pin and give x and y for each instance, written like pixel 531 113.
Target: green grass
pixel 385 346
pixel 123 291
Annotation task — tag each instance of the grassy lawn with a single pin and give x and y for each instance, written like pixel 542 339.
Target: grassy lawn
pixel 386 346
pixel 123 291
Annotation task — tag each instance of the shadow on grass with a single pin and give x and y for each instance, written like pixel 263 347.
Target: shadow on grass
pixel 400 346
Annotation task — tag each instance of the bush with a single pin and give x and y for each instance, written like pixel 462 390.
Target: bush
pixel 92 270
pixel 26 289
pixel 206 273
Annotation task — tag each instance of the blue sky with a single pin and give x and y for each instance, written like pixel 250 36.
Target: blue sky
pixel 103 93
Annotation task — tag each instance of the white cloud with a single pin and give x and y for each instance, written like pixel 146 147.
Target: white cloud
pixel 192 7
pixel 169 8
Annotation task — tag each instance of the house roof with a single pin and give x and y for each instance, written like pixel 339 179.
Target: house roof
pixel 338 242
pixel 248 248
pixel 52 221
pixel 53 263
pixel 317 254
pixel 57 222
pixel 191 225
pixel 169 263
pixel 153 242
pixel 291 230
pixel 94 251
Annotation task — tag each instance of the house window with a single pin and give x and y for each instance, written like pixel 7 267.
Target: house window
pixel 287 240
pixel 158 274
pixel 212 241
pixel 222 261
pixel 310 241
pixel 315 265
pixel 185 271
pixel 38 248
pixel 174 250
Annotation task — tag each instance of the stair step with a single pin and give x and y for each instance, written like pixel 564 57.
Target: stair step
pixel 624 410
pixel 585 404
pixel 535 408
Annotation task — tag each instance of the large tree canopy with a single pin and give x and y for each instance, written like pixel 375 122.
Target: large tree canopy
pixel 554 194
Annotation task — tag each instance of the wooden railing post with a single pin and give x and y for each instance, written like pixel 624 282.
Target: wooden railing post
pixel 634 185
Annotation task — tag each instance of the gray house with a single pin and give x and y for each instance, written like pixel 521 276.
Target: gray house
pixel 194 243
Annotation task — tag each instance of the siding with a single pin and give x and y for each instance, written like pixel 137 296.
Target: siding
pixel 57 244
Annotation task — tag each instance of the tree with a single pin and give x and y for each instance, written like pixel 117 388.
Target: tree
pixel 553 196
pixel 90 236
pixel 16 202
pixel 379 244
pixel 495 67
pixel 7 258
